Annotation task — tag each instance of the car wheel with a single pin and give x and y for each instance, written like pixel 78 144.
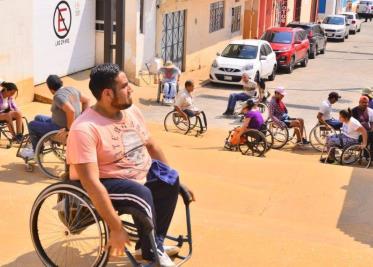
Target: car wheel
pixel 347 36
pixel 342 40
pixel 273 75
pixel 313 53
pixel 305 61
pixel 290 68
pixel 359 30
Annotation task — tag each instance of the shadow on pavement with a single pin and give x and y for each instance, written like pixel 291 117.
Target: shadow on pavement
pixel 356 218
pixel 15 173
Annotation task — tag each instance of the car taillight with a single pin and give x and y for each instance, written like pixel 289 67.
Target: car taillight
pixel 354 21
pixel 371 7
pixel 310 34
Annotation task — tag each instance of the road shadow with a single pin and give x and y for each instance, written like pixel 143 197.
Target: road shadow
pixel 16 173
pixel 151 102
pixel 356 218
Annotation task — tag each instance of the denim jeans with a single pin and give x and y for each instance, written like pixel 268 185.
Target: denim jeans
pixel 169 89
pixel 233 98
pixel 40 126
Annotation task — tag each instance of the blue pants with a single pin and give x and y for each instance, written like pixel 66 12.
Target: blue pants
pixel 40 126
pixel 233 98
pixel 169 90
pixel 335 124
pixel 156 199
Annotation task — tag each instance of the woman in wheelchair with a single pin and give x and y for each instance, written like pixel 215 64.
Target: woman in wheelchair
pixel 279 114
pixel 350 133
pixel 170 77
pixel 113 157
pixel 9 111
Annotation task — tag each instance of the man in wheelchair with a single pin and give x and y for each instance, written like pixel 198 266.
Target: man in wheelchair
pixel 170 77
pixel 350 135
pixel 112 155
pixel 279 114
pixel 185 106
pixel 364 115
pixel 324 116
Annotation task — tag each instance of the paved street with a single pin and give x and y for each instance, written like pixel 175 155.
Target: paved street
pixel 345 68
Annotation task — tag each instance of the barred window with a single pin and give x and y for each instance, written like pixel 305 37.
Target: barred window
pixel 236 19
pixel 216 16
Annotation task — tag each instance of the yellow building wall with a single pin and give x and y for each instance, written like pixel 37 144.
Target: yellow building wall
pixel 305 15
pixel 201 46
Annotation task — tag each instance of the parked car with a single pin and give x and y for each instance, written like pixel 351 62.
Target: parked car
pixel 365 9
pixel 354 21
pixel 336 27
pixel 315 34
pixel 254 57
pixel 290 45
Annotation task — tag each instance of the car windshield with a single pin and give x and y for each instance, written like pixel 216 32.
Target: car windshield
pixel 240 51
pixel 365 2
pixel 348 16
pixel 334 20
pixel 278 37
pixel 304 27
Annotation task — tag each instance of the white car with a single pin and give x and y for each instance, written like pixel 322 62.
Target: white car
pixel 254 57
pixel 365 9
pixel 336 27
pixel 354 21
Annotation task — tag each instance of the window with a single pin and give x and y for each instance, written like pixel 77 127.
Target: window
pixel 100 15
pixel 216 16
pixel 236 19
pixel 278 37
pixel 263 51
pixel 240 51
pixel 268 49
pixel 141 16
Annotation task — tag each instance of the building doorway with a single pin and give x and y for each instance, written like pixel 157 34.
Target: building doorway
pixel 314 9
pixel 297 10
pixel 250 26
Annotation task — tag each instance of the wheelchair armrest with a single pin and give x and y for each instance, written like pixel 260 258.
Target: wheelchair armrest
pixel 185 194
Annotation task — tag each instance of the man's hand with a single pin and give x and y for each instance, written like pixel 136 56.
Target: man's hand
pixel 117 242
pixel 362 146
pixel 61 136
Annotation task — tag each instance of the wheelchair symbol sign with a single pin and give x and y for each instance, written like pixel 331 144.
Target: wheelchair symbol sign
pixel 62 19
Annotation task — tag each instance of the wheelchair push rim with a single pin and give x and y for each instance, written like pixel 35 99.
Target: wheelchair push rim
pixel 174 122
pixel 66 231
pixel 354 154
pixel 280 135
pixel 318 136
pixel 255 144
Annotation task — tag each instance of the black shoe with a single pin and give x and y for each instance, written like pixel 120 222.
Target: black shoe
pixel 228 113
pixel 305 142
pixel 329 161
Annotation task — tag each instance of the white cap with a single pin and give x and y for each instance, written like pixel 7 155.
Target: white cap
pixel 280 90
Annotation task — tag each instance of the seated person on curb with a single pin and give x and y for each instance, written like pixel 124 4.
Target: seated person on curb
pixel 67 105
pixel 251 90
pixel 368 92
pixel 350 132
pixel 9 111
pixel 170 77
pixel 110 153
pixel 364 115
pixel 279 114
pixel 184 104
pixel 253 119
pixel 324 115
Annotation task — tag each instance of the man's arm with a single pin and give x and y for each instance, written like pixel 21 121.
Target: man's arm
pixel 364 134
pixel 85 102
pixel 321 120
pixel 70 114
pixel 89 177
pixel 155 151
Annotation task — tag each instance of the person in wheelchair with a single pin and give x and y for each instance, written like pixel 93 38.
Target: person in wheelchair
pixel 68 103
pixel 368 92
pixel 279 114
pixel 253 119
pixel 184 104
pixel 9 111
pixel 350 133
pixel 324 116
pixel 364 115
pixel 170 77
pixel 251 90
pixel 113 157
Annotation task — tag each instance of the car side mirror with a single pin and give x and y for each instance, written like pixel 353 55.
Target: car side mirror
pixel 263 57
pixel 218 54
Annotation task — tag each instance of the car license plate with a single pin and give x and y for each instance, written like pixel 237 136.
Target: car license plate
pixel 330 34
pixel 228 78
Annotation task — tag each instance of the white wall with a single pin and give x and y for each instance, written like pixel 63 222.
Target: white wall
pixel 16 46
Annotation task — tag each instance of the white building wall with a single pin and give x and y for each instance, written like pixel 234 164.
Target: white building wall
pixel 16 48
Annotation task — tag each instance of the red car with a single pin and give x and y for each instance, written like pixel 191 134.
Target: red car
pixel 291 46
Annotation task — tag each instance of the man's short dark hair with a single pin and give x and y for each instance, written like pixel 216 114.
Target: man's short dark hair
pixel 103 76
pixel 188 83
pixel 334 95
pixel 54 82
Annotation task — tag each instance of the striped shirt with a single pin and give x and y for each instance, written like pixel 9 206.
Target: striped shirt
pixel 277 109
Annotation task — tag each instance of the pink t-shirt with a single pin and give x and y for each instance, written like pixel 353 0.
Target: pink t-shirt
pixel 118 147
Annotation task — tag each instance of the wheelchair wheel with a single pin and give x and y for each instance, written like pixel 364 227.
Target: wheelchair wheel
pixel 254 145
pixel 66 231
pixel 356 155
pixel 269 138
pixel 318 136
pixel 50 156
pixel 174 122
pixel 280 135
pixel 264 110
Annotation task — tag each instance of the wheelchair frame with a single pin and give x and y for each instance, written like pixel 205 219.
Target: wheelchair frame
pixel 289 133
pixel 69 189
pixel 318 133
pixel 160 92
pixel 190 123
pixel 5 131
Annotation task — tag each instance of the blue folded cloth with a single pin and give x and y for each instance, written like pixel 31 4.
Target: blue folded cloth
pixel 161 171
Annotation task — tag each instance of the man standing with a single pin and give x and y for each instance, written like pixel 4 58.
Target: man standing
pixel 110 152
pixel 324 116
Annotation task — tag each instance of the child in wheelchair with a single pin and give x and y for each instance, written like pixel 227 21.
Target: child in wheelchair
pixel 9 112
pixel 184 105
pixel 253 120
